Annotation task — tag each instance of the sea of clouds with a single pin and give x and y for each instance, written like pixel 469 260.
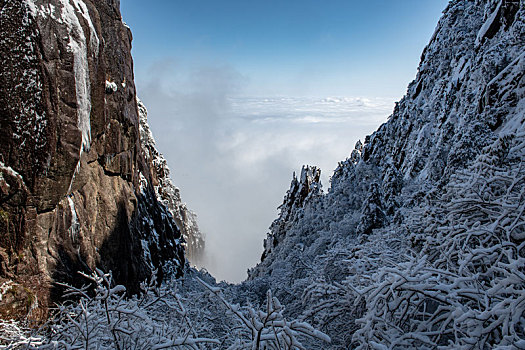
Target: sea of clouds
pixel 233 156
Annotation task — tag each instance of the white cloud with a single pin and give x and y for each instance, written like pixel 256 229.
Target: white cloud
pixel 233 157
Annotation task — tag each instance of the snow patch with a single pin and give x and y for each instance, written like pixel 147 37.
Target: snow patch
pixel 143 183
pixel 10 171
pixel 94 42
pixel 32 8
pixel 4 288
pixel 45 11
pixel 488 23
pixel 50 10
pixel 83 93
pixel 77 169
pixel 77 46
pixel 459 71
pixel 111 87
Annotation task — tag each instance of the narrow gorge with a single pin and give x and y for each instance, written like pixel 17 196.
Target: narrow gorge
pixel 417 243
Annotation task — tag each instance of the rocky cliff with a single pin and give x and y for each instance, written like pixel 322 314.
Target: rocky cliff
pixel 416 220
pixel 168 194
pixel 77 187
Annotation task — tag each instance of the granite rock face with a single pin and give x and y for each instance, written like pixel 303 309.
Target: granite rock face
pixel 76 186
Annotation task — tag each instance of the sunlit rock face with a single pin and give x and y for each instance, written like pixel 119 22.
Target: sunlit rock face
pixel 410 189
pixel 77 190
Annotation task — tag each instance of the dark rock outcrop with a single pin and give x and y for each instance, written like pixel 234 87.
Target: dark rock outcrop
pixel 76 190
pixel 168 194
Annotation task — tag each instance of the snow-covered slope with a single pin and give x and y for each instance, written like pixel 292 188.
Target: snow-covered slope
pixel 424 222
pixel 167 193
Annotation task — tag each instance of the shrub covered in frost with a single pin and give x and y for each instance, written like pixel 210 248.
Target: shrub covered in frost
pixel 465 287
pixel 104 318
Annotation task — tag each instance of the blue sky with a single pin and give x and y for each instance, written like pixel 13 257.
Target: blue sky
pixel 289 47
pixel 242 93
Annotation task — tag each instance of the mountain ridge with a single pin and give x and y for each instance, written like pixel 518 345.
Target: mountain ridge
pixel 381 217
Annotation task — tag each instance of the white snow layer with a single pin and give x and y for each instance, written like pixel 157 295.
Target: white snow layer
pixel 32 7
pixel 78 46
pixel 10 171
pixel 485 27
pixel 75 225
pixel 93 38
pixel 111 86
pixel 459 72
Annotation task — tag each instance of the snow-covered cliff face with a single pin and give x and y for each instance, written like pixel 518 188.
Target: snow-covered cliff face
pixel 77 189
pixel 424 222
pixel 168 194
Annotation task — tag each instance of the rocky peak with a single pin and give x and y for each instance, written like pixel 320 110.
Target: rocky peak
pixel 300 193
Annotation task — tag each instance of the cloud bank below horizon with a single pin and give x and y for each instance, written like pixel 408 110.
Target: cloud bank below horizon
pixel 233 156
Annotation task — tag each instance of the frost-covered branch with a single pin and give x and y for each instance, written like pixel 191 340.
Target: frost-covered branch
pixel 267 327
pixel 107 319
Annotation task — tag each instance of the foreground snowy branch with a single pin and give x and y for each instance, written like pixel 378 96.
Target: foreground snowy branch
pixel 466 287
pixel 13 335
pixel 267 328
pixel 102 317
pixel 107 319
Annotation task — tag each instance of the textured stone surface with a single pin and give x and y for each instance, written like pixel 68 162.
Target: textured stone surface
pixel 71 195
